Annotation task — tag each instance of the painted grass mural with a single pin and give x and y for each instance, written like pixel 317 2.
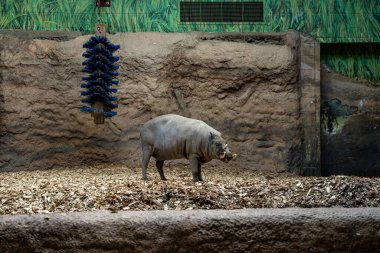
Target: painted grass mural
pixel 326 20
pixel 358 60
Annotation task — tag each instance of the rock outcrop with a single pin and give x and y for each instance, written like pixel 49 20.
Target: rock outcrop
pixel 350 126
pixel 244 85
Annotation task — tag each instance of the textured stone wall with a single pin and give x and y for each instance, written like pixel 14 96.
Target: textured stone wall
pixel 244 85
pixel 248 230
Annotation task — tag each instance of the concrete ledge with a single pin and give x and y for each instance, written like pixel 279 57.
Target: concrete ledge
pixel 42 35
pixel 249 230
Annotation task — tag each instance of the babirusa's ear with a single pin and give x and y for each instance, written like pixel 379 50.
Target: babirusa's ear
pixel 212 136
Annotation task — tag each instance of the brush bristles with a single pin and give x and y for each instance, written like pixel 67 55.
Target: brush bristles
pixel 101 68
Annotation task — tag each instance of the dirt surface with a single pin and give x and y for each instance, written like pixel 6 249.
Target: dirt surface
pixel 120 188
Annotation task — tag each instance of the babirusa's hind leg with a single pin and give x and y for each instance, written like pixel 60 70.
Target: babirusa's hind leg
pixel 160 165
pixel 147 153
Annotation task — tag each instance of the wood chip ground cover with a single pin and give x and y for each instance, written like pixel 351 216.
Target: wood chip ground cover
pixel 121 188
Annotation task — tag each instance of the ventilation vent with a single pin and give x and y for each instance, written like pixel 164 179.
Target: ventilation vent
pixel 221 11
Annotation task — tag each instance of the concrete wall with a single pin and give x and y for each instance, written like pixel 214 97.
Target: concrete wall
pixel 310 106
pixel 248 230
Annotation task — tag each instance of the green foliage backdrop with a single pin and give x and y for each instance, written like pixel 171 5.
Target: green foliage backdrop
pixel 355 60
pixel 326 20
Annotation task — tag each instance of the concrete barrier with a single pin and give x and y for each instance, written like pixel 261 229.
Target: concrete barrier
pixel 247 230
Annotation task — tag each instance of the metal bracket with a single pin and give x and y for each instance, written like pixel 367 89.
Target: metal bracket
pixel 103 3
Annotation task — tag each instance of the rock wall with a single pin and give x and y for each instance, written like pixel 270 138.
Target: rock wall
pixel 244 85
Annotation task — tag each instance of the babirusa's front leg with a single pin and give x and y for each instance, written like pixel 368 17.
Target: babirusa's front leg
pixel 147 152
pixel 194 167
pixel 200 172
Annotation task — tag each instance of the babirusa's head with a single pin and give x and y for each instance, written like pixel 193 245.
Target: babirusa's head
pixel 220 149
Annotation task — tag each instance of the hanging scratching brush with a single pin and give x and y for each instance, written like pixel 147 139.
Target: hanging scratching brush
pixel 100 65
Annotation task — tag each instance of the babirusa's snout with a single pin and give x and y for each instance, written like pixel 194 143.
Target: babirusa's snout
pixel 228 156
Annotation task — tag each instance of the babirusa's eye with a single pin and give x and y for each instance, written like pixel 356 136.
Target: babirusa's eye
pixel 218 144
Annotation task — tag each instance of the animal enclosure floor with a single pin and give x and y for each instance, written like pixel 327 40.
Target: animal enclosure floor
pixel 121 188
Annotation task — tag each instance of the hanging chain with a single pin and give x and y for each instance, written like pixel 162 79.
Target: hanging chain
pixel 99 19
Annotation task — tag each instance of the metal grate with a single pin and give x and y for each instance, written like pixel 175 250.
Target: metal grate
pixel 221 11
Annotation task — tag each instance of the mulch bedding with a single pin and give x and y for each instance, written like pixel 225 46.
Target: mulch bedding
pixel 117 187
